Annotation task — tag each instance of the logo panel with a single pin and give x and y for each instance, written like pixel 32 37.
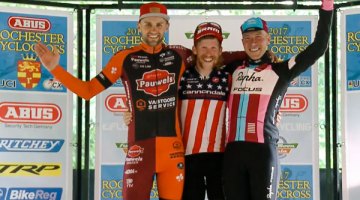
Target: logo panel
pixel 34 113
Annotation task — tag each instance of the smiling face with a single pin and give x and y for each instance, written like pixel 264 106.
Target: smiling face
pixel 152 30
pixel 208 51
pixel 255 43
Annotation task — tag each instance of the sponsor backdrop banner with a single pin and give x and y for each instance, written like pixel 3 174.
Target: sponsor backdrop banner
pixel 35 108
pixel 350 98
pixel 298 147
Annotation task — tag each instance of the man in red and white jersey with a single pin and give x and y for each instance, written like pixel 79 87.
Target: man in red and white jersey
pixel 203 92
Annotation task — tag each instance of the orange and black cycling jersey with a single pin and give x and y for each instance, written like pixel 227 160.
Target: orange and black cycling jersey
pixel 150 76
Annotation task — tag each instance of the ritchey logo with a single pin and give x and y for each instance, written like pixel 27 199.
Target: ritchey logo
pixel 155 82
pixel 294 103
pixel 28 23
pixel 116 103
pixel 34 113
pixel 30 145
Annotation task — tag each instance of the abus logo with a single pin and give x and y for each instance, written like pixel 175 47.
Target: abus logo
pixel 294 103
pixel 155 82
pixel 116 103
pixel 34 113
pixel 30 24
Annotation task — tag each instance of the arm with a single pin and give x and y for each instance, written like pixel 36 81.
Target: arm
pixel 320 44
pixel 85 89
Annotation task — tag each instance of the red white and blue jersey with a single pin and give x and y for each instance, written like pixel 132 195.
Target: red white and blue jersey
pixel 258 88
pixel 202 108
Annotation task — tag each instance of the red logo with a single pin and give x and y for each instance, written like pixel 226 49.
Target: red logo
pixel 34 113
pixel 30 24
pixel 294 103
pixel 116 103
pixel 135 151
pixel 155 82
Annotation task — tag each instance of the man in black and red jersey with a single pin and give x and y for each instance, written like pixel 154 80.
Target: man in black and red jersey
pixel 258 86
pixel 150 73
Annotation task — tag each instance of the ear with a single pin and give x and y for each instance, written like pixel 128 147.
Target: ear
pixel 167 26
pixel 268 39
pixel 194 50
pixel 138 27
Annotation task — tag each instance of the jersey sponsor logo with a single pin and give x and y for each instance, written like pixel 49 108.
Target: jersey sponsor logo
pixel 30 169
pixel 135 151
pixel 130 171
pixel 30 24
pixel 34 194
pixel 35 113
pixel 7 83
pixel 52 84
pixel 155 82
pixel 294 103
pixel 160 104
pixel 29 71
pixel 30 145
pixel 116 103
pixel 140 104
pixel 254 82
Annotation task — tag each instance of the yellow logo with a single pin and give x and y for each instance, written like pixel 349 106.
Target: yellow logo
pixel 29 71
pixel 30 169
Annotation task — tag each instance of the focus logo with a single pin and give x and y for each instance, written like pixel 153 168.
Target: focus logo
pixel 34 113
pixel 116 103
pixel 30 169
pixel 30 24
pixel 34 194
pixel 294 103
pixel 155 82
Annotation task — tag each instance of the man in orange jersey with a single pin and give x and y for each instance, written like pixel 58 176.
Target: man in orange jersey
pixel 150 73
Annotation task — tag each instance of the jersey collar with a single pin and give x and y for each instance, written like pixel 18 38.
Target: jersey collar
pixel 150 49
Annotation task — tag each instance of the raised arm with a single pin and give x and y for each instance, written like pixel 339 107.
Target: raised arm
pixel 320 44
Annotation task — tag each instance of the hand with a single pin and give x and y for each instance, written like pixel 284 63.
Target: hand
pixel 127 117
pixel 48 58
pixel 278 119
pixel 327 5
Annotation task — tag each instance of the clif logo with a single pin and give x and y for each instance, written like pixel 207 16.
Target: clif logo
pixel 156 82
pixel 34 113
pixel 116 103
pixel 30 24
pixel 294 103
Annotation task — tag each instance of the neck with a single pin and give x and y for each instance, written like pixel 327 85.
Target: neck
pixel 203 71
pixel 264 59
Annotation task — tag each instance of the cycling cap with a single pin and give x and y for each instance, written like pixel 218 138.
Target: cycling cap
pixel 153 10
pixel 254 24
pixel 208 28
